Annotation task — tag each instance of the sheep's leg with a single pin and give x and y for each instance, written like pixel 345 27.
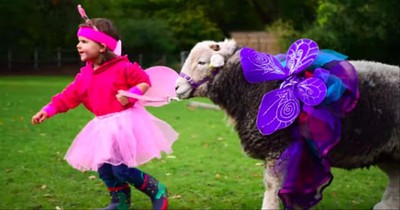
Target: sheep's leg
pixel 391 197
pixel 272 182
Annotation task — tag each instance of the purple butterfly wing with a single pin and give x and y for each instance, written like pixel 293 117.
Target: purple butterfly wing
pixel 300 54
pixel 278 109
pixel 311 91
pixel 260 67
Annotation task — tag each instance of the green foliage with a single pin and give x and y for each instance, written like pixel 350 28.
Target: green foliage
pixel 191 27
pixel 361 29
pixel 285 31
pixel 232 15
pixel 300 13
pixel 187 21
pixel 36 23
pixel 140 32
pixel 147 36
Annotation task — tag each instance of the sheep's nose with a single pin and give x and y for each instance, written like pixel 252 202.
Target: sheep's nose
pixel 176 87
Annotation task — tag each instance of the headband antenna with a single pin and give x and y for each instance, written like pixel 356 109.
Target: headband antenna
pixel 85 17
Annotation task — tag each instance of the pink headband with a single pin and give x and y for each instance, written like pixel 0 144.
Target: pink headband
pixel 98 36
pixel 93 34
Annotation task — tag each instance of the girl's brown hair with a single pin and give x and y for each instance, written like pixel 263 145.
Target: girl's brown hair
pixel 106 26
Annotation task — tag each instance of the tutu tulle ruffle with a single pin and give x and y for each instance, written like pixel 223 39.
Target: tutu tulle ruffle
pixel 131 137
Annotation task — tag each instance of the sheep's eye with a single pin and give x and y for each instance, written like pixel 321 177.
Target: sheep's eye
pixel 202 62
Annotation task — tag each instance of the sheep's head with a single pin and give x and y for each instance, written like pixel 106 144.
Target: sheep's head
pixel 201 66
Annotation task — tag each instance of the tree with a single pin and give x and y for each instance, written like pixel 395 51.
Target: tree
pixel 298 13
pixel 362 29
pixel 185 20
pixel 36 23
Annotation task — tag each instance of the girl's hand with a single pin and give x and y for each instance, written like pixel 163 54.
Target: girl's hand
pixel 39 117
pixel 122 99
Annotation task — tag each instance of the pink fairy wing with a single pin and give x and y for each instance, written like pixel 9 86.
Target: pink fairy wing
pixel 162 88
pixel 260 67
pixel 311 91
pixel 162 84
pixel 300 55
pixel 279 108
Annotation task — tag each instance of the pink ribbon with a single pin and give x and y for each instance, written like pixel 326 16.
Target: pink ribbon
pixel 98 36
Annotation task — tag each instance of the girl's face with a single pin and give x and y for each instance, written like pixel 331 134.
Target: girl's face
pixel 90 50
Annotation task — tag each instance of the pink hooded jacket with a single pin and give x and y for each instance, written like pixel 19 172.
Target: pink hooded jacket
pixel 96 90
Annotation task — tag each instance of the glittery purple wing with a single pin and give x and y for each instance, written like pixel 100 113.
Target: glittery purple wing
pixel 260 67
pixel 300 54
pixel 278 109
pixel 311 91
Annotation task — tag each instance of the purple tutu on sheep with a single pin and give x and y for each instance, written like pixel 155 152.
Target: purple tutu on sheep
pixel 319 87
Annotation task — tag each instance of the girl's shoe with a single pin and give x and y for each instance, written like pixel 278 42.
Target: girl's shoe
pixel 120 200
pixel 156 191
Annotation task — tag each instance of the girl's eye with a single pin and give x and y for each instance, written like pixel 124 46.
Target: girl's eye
pixel 202 62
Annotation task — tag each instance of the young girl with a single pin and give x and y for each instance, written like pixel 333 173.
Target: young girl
pixel 123 134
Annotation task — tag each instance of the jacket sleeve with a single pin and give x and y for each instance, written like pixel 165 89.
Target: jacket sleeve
pixel 136 75
pixel 64 101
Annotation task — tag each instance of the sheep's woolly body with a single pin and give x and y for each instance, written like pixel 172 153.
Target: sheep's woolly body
pixel 370 133
pixel 241 100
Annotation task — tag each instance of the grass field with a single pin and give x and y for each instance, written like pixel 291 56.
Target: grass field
pixel 207 169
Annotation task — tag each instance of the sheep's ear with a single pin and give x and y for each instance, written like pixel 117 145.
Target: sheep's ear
pixel 229 45
pixel 215 47
pixel 216 60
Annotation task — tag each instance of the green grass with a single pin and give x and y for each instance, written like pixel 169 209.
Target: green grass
pixel 207 169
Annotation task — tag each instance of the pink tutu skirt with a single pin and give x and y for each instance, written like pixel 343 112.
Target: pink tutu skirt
pixel 131 137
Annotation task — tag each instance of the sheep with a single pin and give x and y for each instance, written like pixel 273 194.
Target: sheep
pixel 370 133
